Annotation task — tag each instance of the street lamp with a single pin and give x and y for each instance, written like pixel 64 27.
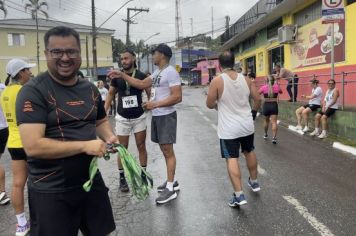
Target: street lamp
pixel 138 53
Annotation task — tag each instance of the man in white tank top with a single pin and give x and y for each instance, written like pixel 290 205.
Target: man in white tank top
pixel 230 93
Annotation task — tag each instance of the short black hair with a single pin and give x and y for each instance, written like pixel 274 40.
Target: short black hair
pixel 227 59
pixel 252 75
pixel 62 31
pixel 129 50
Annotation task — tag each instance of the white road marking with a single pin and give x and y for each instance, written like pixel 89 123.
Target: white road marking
pixel 200 113
pixel 260 170
pixel 344 148
pixel 278 121
pixel 318 226
pixel 206 118
pixel 214 126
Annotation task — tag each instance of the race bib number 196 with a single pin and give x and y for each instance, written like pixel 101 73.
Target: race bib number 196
pixel 129 102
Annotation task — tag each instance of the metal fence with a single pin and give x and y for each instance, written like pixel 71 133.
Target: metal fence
pixel 344 82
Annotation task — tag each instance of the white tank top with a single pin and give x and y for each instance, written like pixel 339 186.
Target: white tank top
pixel 234 110
pixel 329 99
pixel 3 123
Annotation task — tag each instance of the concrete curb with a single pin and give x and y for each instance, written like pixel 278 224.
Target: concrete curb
pixel 344 148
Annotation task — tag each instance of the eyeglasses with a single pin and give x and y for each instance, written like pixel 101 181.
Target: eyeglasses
pixel 57 53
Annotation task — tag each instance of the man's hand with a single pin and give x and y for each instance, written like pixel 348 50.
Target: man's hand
pixel 115 74
pixel 113 140
pixel 149 105
pixel 95 148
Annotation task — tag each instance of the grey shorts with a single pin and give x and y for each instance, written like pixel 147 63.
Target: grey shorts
pixel 164 129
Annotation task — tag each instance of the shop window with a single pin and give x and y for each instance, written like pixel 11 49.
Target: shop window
pixel 251 64
pixel 275 55
pixel 308 14
pixel 248 43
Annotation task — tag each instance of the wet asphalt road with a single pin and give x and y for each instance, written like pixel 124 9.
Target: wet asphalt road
pixel 308 188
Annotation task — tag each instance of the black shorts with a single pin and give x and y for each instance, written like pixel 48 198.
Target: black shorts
pixel 17 154
pixel 4 135
pixel 312 107
pixel 59 214
pixel 270 108
pixel 329 112
pixel 164 129
pixel 230 148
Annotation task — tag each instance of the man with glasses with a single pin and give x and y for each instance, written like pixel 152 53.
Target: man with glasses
pixel 60 117
pixel 330 105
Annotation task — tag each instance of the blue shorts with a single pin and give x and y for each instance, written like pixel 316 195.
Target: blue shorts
pixel 230 148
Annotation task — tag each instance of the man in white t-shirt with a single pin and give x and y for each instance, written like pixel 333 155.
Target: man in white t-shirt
pixel 165 93
pixel 314 103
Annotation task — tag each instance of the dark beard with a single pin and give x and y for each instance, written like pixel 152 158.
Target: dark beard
pixel 128 67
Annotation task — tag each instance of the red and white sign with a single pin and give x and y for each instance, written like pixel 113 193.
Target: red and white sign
pixel 332 11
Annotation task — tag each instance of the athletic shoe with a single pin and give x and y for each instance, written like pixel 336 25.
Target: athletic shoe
pixel 265 136
pixel 124 187
pixel 162 187
pixel 4 199
pixel 237 201
pixel 298 127
pixel 255 187
pixel 274 140
pixel 166 196
pixel 23 230
pixel 314 133
pixel 306 129
pixel 322 135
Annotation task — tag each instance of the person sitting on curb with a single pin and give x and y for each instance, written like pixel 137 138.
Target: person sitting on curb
pixel 330 105
pixel 315 100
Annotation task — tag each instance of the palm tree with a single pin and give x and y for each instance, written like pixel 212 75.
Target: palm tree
pixel 2 8
pixel 35 7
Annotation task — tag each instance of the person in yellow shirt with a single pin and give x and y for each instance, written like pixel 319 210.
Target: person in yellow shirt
pixel 19 73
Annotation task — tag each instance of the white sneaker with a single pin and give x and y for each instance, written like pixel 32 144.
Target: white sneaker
pixel 314 133
pixel 306 129
pixel 298 127
pixel 322 135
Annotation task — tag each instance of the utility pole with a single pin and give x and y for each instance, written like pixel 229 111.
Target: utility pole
pixel 191 26
pixel 95 63
pixel 212 22
pixel 129 21
pixel 178 23
pixel 87 53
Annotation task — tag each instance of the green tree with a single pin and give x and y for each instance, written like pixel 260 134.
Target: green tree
pixel 2 8
pixel 35 7
pixel 117 47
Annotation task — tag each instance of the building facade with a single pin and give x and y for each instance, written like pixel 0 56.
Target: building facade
pixel 256 42
pixel 18 40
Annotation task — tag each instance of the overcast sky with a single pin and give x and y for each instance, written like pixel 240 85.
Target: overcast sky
pixel 159 19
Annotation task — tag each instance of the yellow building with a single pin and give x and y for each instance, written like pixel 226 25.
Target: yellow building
pixel 18 40
pixel 291 33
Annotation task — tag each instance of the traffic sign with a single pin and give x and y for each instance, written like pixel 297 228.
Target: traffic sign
pixel 332 11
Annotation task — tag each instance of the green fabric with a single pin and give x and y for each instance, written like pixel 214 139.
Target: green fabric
pixel 139 180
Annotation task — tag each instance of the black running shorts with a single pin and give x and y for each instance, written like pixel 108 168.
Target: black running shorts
pixel 270 108
pixel 312 107
pixel 4 135
pixel 65 213
pixel 17 154
pixel 329 112
pixel 230 148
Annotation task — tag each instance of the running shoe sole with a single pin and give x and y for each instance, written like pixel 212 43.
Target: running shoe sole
pixel 174 196
pixel 5 201
pixel 255 190
pixel 174 188
pixel 235 204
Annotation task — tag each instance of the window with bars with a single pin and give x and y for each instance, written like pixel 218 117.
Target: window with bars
pixel 16 40
pixel 308 14
pixel 272 29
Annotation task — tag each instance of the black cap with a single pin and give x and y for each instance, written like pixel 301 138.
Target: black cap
pixel 164 49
